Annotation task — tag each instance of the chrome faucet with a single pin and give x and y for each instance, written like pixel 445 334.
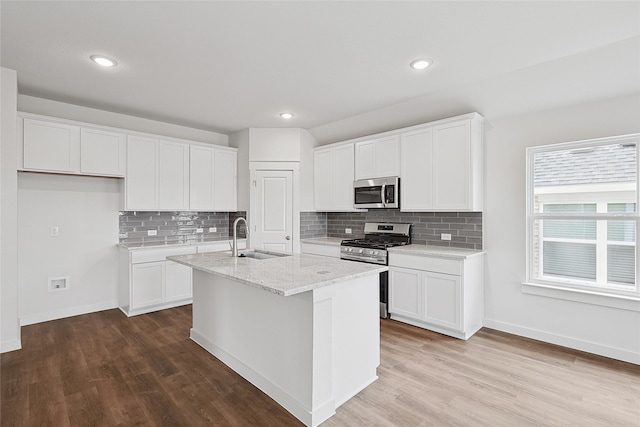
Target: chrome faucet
pixel 234 247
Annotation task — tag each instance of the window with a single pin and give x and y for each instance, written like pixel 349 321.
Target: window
pixel 582 216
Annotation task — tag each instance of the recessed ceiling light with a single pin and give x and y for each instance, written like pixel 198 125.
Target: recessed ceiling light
pixel 286 115
pixel 103 60
pixel 421 64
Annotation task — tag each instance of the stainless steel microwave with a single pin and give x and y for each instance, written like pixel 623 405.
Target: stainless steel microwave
pixel 377 193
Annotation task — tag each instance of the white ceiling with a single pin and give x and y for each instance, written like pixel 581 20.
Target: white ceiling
pixel 341 67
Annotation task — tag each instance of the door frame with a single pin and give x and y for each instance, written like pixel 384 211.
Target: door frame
pixel 294 167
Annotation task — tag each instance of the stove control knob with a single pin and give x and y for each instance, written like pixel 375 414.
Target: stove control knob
pixel 349 250
pixel 360 251
pixel 375 252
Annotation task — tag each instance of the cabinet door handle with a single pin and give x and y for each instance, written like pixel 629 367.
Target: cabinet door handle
pixel 288 237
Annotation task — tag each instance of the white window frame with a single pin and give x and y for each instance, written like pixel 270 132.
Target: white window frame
pixel 575 290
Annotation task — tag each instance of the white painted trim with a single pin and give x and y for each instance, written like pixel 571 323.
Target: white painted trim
pixel 354 392
pixel 155 307
pixel 434 328
pixel 596 297
pixel 68 312
pixel 294 167
pixel 272 390
pixel 11 345
pixel 587 346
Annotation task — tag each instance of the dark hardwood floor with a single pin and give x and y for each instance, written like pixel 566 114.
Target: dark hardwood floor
pixel 104 369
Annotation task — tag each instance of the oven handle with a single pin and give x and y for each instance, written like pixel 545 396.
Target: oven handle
pixel 383 194
pixel 356 258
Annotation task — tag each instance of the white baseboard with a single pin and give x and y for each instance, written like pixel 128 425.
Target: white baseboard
pixel 156 307
pixel 288 402
pixel 68 312
pixel 12 345
pixel 576 344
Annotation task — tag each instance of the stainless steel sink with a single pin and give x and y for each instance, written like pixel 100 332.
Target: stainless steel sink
pixel 258 254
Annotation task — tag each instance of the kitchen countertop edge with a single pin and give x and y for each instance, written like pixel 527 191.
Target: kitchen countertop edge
pixel 326 241
pixel 435 251
pixel 134 246
pixel 369 269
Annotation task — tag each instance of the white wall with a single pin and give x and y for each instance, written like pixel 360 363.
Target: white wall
pixel 86 211
pixel 240 140
pixel 9 326
pixel 307 144
pixel 597 329
pixel 30 104
pixel 274 145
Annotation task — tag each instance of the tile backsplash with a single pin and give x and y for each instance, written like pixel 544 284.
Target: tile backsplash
pixel 181 227
pixel 175 227
pixel 313 224
pixel 465 227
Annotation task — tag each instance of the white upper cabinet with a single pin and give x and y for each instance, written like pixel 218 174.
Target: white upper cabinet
pixel 161 173
pixel 50 146
pixel 173 176
pixel 225 180
pixel 141 184
pixel 377 158
pixel 333 172
pixel 323 180
pixel 442 166
pixel 452 166
pixel 201 178
pixel 157 174
pixel 417 175
pixel 102 152
pixel 53 146
pixel 213 179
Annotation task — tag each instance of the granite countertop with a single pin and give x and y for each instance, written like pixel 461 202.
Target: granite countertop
pixel 327 241
pixel 284 276
pixel 143 245
pixel 435 251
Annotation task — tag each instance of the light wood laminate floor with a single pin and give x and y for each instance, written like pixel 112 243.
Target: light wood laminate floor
pixel 104 369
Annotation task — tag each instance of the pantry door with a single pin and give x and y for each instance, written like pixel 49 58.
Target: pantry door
pixel 272 205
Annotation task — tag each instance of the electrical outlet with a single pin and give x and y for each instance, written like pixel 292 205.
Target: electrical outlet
pixel 212 229
pixel 59 283
pixel 199 230
pixel 347 231
pixel 54 231
pixel 152 232
pixel 445 236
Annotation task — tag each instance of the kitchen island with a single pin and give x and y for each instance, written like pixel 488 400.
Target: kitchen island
pixel 304 329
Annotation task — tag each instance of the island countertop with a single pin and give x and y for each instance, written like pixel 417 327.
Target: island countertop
pixel 284 276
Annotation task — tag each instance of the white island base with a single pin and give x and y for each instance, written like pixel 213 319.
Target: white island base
pixel 310 352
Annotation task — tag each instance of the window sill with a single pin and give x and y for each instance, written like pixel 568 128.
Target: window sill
pixel 579 295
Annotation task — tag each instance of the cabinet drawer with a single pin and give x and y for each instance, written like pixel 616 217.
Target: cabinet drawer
pixel 159 254
pixel 438 265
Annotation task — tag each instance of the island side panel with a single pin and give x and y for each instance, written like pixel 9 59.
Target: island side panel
pixel 264 337
pixel 356 314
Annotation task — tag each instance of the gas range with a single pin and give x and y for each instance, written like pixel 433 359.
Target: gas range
pixel 377 239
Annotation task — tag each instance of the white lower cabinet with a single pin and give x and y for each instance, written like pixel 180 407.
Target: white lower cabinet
pixel 442 295
pixel 148 282
pixel 177 284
